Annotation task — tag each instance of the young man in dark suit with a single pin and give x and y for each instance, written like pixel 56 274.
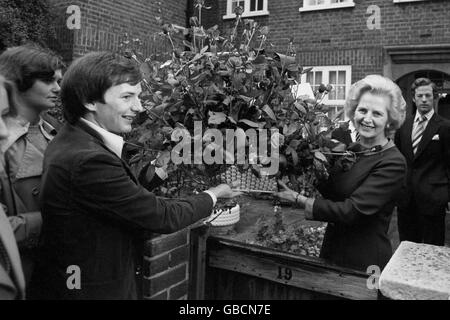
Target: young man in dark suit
pixel 95 211
pixel 424 140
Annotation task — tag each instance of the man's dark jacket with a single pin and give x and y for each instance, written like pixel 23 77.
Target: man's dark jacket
pixel 94 214
pixel 428 180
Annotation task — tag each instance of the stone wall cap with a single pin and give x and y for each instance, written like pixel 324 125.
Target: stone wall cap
pixel 417 272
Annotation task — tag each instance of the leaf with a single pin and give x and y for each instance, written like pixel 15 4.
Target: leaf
pixel 204 50
pixel 285 60
pixel 306 70
pixel 216 117
pixel 320 156
pixel 294 143
pixel 213 28
pixel 227 101
pixel 246 99
pixel 250 123
pixel 145 70
pixel 300 107
pixel 264 30
pixel 198 56
pixel 232 120
pixel 294 116
pixel 261 59
pixel 339 148
pixel 269 112
pixel 163 159
pixel 188 44
pixel 166 64
pixel 292 128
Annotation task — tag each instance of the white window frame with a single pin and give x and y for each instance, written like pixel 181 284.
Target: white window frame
pixel 326 6
pixel 247 12
pixel 325 80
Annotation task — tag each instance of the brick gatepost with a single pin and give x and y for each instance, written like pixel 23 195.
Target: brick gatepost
pixel 166 267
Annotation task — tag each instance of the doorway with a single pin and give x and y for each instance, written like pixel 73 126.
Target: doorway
pixel 442 81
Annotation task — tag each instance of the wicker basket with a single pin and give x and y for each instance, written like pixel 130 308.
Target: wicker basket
pixel 224 217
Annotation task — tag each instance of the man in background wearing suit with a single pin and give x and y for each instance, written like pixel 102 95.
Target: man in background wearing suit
pixel 424 140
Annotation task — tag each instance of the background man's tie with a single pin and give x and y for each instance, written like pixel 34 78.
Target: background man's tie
pixel 417 133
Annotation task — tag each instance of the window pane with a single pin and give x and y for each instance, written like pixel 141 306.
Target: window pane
pixel 318 78
pixel 332 95
pixel 332 79
pixel 315 2
pixel 236 3
pixel 260 4
pixel 340 92
pixel 341 78
pixel 252 5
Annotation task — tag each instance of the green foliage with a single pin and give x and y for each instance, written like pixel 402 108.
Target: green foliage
pixel 23 21
pixel 231 81
pixel 298 239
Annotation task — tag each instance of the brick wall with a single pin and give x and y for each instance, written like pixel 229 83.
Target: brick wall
pixel 64 42
pixel 104 23
pixel 340 36
pixel 166 267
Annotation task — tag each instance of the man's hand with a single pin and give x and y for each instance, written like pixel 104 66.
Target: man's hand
pixel 224 191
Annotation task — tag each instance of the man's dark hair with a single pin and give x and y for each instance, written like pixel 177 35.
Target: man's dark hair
pixel 420 82
pixel 89 77
pixel 25 64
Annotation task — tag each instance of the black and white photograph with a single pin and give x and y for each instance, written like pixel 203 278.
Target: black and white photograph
pixel 225 154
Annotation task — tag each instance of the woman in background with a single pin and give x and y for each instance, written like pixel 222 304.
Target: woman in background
pixel 358 203
pixel 12 281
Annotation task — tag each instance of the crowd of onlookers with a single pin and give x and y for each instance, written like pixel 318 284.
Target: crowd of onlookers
pixel 69 198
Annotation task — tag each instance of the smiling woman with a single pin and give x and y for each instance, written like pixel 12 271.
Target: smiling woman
pixel 358 202
pixel 376 107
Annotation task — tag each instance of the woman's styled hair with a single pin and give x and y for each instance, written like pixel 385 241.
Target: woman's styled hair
pixel 25 64
pixel 89 77
pixel 379 85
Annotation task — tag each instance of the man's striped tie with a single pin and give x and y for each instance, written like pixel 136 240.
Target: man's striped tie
pixel 418 132
pixel 357 137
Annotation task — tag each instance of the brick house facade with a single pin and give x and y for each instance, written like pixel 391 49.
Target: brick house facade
pixel 340 38
pixel 413 38
pixel 105 22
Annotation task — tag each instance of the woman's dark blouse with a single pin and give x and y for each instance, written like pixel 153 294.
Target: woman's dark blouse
pixel 358 205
